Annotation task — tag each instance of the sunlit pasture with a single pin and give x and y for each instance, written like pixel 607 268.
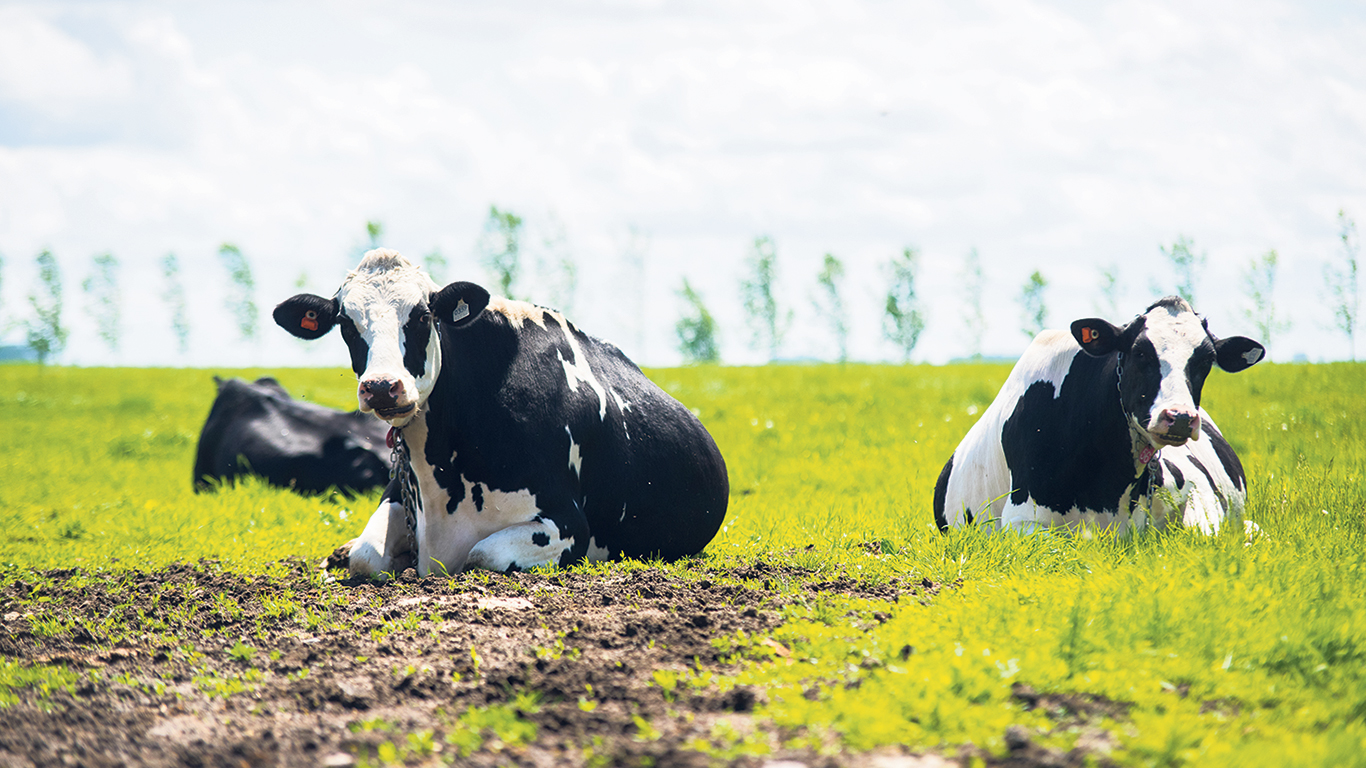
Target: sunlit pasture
pixel 1216 650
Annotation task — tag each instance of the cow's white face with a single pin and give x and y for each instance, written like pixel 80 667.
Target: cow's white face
pixel 1176 352
pixel 388 327
pixel 1165 354
pixel 391 315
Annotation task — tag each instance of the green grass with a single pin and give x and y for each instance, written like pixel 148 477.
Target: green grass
pixel 1218 651
pixel 43 678
pixel 98 465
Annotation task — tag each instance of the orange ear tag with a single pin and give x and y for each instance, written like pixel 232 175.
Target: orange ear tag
pixel 310 320
pixel 1087 335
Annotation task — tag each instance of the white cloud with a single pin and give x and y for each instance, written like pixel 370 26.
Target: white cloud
pixel 45 69
pixel 1047 136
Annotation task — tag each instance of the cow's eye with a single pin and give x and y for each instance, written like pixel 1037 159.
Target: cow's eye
pixel 425 318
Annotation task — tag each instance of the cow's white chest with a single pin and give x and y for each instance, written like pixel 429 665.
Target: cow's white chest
pixel 445 538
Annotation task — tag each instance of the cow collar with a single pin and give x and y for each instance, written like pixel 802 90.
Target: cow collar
pixel 1143 448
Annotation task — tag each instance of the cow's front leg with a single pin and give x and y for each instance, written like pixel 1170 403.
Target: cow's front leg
pixel 384 544
pixel 541 541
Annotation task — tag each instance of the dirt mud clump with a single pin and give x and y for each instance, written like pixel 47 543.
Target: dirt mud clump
pixel 197 666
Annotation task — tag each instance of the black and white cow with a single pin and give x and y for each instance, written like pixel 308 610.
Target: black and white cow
pixel 531 442
pixel 1103 427
pixel 256 428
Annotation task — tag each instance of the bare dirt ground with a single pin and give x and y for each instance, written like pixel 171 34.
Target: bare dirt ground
pixel 172 672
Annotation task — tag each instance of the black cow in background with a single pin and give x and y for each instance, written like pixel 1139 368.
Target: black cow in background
pixel 258 429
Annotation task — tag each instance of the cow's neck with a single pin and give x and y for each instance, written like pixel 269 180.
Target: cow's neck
pixel 1144 452
pixel 414 436
pixel 447 411
pixel 473 364
pixel 1141 449
pixel 435 500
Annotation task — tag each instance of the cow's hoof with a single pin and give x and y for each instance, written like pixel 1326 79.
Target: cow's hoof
pixel 340 558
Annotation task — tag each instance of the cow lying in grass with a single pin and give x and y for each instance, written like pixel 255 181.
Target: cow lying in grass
pixel 1104 427
pixel 256 428
pixel 531 443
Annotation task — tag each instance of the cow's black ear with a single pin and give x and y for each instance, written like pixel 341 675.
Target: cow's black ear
pixel 306 315
pixel 1238 353
pixel 1097 337
pixel 458 304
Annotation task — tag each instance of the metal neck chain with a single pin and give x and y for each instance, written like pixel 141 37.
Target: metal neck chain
pixel 400 465
pixel 1135 434
pixel 1135 437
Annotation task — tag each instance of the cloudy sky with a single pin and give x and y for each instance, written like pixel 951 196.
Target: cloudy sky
pixel 1066 137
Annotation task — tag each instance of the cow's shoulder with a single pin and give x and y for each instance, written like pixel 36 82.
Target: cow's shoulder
pixel 517 314
pixel 1040 370
pixel 1054 378
pixel 523 335
pixel 1063 436
pixel 236 393
pixel 237 410
pixel 1050 358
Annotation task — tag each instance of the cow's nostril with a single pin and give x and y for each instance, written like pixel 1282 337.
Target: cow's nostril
pixel 1180 423
pixel 381 387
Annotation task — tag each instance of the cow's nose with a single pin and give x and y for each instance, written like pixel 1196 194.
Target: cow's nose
pixel 383 388
pixel 1179 422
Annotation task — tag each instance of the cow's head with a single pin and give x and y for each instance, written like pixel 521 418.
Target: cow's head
pixel 391 316
pixel 1165 355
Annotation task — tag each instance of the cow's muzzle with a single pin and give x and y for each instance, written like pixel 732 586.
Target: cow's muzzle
pixel 384 396
pixel 1175 426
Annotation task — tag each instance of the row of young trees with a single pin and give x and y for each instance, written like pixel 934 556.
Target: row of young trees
pixel 46 330
pixel 904 313
pixel 501 249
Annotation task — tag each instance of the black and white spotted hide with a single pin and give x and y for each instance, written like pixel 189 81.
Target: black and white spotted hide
pixel 1103 426
pixel 532 443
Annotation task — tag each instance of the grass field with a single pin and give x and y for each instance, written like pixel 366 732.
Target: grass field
pixel 1188 650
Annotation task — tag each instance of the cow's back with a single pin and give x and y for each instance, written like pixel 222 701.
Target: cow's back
pixel 565 413
pixel 663 488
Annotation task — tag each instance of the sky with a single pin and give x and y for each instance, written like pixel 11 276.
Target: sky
pixel 649 142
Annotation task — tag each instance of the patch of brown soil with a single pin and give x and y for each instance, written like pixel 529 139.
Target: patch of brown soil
pixel 200 667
